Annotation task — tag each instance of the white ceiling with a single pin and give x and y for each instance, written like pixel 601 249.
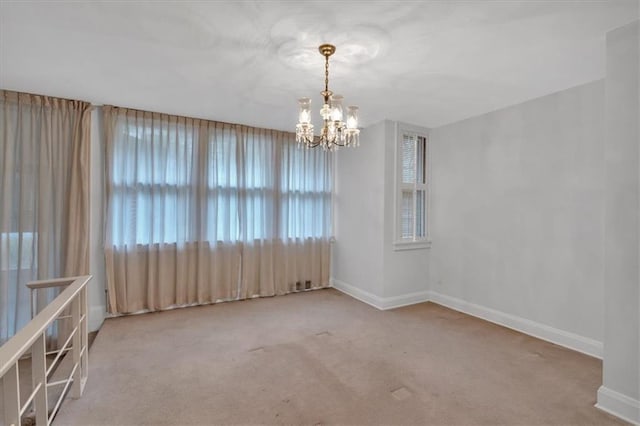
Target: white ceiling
pixel 427 63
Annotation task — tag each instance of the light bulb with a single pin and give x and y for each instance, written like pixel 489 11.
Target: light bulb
pixel 304 116
pixel 352 117
pixel 336 108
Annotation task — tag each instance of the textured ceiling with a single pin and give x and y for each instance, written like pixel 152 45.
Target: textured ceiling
pixel 427 63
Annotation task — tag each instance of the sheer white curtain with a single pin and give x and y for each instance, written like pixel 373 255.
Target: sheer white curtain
pixel 200 211
pixel 44 175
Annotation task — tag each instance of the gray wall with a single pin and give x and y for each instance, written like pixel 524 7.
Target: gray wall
pixel 621 371
pixel 517 210
pixel 359 213
pixel 364 256
pixel 405 271
pixel 96 295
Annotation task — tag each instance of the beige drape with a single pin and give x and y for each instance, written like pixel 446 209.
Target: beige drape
pixel 200 211
pixel 44 215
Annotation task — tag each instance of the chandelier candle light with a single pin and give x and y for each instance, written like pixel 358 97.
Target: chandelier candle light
pixel 335 132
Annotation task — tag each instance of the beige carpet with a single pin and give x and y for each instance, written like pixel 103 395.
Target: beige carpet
pixel 322 357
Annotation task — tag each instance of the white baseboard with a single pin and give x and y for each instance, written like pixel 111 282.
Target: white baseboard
pixel 97 314
pixel 382 303
pixel 619 405
pixel 404 300
pixel 559 337
pixel 356 293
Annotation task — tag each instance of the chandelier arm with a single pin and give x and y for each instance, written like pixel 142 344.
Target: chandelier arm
pixel 312 143
pixel 335 141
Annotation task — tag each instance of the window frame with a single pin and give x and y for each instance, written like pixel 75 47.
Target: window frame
pixel 413 243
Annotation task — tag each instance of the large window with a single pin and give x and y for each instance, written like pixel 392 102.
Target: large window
pixel 201 211
pixel 412 190
pixel 44 208
pixel 185 182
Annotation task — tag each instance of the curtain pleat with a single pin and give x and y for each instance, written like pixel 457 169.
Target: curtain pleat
pixel 44 187
pixel 200 212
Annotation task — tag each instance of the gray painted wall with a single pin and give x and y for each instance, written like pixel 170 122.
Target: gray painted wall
pixel 96 295
pixel 364 256
pixel 517 210
pixel 621 370
pixel 359 212
pixel 406 271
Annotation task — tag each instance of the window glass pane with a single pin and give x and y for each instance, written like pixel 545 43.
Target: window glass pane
pixel 222 161
pixel 18 250
pixel 305 192
pixel 223 222
pixel 412 205
pixel 153 156
pixel 421 160
pixel 408 156
pixel 258 158
pixel 406 215
pixel 420 214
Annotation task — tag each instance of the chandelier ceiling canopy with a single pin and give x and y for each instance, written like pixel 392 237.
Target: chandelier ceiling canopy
pixel 336 131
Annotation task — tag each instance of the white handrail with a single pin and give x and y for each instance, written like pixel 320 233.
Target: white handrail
pixel 21 342
pixel 55 282
pixel 31 338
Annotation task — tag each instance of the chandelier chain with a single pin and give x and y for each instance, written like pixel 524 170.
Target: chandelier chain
pixel 326 76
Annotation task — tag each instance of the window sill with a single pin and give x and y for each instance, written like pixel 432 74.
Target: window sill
pixel 411 245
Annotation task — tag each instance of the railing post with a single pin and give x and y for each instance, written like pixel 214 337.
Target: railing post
pixel 11 391
pixel 76 387
pixel 85 338
pixel 39 377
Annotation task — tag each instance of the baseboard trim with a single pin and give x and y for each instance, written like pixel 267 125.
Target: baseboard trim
pixel 382 303
pixel 559 337
pixel 563 338
pixel 357 293
pixel 404 300
pixel 619 405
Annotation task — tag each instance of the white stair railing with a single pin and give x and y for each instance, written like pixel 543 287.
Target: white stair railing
pixel 32 339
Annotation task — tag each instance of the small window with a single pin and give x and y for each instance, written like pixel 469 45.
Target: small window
pixel 412 192
pixel 18 251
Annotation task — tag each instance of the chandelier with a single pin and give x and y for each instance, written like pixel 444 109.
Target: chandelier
pixel 335 132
